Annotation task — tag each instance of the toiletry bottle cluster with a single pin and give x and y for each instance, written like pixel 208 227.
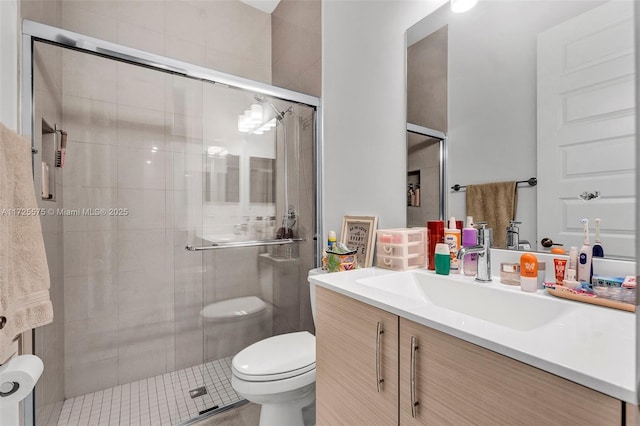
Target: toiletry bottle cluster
pixel 579 267
pixel 446 242
pixel 413 195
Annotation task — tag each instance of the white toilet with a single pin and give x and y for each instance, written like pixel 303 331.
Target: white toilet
pixel 279 373
pixel 232 324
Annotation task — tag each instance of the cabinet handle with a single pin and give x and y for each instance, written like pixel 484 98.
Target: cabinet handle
pixel 414 402
pixel 379 379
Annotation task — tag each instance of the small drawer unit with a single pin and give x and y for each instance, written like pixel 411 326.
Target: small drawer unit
pixel 401 249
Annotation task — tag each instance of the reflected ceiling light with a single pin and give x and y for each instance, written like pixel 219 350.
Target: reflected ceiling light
pixel 252 120
pixel 217 151
pixel 460 6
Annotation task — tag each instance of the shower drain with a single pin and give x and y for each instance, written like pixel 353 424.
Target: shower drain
pixel 194 393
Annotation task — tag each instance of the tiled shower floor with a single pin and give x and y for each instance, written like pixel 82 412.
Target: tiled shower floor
pixel 159 400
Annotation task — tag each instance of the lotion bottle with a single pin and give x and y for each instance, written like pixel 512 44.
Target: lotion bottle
pixel 584 258
pixel 470 261
pixel 529 273
pixel 452 239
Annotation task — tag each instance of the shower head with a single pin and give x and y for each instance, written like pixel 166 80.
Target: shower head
pixel 279 114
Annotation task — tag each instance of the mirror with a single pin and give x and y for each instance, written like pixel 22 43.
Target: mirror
pixel 222 176
pixel 491 79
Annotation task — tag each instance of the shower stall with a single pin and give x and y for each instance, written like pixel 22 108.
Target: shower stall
pixel 180 226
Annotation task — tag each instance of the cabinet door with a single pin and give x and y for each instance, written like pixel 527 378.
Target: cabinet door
pixel 460 383
pixel 350 357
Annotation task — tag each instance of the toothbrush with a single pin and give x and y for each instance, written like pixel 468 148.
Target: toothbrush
pixel 598 250
pixel 584 257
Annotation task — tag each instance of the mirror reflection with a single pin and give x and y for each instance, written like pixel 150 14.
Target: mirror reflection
pixel 535 89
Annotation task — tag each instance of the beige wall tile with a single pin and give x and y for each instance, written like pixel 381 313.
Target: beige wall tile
pixel 89 76
pixel 90 165
pixel 149 14
pixel 184 50
pixel 87 22
pixel 140 87
pixel 88 253
pixel 90 296
pixel 223 61
pixel 186 21
pixel 142 342
pixel 146 208
pixel 183 96
pixel 139 37
pixel 90 340
pixel 90 121
pixel 99 7
pixel 140 168
pixel 90 377
pixel 141 128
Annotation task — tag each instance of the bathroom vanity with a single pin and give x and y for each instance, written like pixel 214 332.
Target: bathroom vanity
pixel 416 348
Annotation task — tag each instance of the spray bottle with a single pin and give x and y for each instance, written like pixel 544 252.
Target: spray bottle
pixel 452 239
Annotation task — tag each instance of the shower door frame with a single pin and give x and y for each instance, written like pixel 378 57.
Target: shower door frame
pixel 35 31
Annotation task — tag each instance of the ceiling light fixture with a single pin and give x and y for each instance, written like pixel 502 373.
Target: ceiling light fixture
pixel 460 6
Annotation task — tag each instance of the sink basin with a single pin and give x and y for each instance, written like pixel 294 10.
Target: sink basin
pixel 493 302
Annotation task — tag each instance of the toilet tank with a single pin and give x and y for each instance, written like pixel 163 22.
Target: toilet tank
pixel 312 291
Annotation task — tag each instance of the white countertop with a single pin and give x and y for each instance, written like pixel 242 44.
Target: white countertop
pixel 590 345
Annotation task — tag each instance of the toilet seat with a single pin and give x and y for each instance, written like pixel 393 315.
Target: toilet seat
pixel 233 309
pixel 276 358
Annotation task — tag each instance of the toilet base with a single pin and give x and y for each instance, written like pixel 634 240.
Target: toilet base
pixel 280 415
pixel 287 413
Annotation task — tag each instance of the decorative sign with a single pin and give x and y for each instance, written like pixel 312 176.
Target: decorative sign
pixel 359 233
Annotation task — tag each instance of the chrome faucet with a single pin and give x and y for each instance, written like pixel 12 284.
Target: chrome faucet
pixel 483 249
pixel 513 236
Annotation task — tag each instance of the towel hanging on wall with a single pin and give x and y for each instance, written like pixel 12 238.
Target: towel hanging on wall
pixel 24 274
pixel 494 203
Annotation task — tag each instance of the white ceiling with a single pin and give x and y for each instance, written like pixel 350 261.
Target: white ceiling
pixel 263 5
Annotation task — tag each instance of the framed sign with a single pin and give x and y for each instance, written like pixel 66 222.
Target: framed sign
pixel 359 233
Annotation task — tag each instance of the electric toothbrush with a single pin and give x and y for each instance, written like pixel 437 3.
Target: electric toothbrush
pixel 598 250
pixel 584 257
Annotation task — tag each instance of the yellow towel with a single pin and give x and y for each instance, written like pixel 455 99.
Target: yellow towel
pixel 24 274
pixel 494 203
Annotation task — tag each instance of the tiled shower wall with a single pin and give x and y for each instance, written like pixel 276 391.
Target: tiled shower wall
pixel 296 57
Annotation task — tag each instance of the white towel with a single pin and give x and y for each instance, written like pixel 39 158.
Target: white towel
pixel 24 274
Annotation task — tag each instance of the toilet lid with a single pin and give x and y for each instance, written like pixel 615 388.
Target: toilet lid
pixel 277 357
pixel 237 308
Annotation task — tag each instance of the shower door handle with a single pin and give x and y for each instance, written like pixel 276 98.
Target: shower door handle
pixel 258 243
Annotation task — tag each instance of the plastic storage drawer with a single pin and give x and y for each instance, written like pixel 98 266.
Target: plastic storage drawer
pixel 401 263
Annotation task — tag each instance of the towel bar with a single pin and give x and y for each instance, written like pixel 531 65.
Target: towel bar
pixel 531 181
pixel 258 243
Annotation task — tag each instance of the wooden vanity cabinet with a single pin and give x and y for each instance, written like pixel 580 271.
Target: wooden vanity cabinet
pixel 459 383
pixel 351 357
pixel 456 382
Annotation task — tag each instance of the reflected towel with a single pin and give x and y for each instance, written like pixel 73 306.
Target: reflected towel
pixel 494 203
pixel 24 274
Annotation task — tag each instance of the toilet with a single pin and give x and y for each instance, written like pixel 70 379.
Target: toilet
pixel 278 373
pixel 232 324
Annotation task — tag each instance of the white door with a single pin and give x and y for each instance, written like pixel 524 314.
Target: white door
pixel 586 128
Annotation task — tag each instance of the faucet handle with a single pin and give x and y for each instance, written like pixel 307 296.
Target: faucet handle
pixel 484 233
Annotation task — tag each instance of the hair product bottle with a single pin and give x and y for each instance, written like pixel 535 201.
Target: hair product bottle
pixel 452 239
pixel 528 272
